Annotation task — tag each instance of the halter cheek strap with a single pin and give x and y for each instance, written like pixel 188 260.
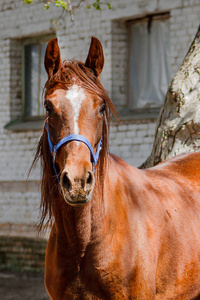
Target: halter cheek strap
pixel 72 137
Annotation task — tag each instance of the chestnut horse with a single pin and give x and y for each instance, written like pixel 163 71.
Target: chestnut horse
pixel 117 232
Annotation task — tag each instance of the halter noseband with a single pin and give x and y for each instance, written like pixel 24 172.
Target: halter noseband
pixel 72 137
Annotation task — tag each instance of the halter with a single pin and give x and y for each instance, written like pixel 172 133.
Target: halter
pixel 72 137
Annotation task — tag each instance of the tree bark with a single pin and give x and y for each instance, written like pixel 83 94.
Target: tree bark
pixel 178 125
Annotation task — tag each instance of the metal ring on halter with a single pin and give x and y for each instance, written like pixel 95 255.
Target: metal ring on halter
pixel 72 137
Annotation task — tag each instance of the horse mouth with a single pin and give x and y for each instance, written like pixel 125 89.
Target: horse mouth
pixel 76 195
pixel 78 201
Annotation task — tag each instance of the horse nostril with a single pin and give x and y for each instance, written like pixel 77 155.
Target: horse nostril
pixel 66 183
pixel 89 178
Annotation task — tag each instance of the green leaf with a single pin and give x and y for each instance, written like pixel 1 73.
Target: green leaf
pixel 57 3
pixel 28 1
pixel 98 7
pixel 88 6
pixel 109 5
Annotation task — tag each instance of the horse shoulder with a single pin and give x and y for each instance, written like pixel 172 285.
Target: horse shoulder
pixel 126 188
pixel 177 189
pixel 162 209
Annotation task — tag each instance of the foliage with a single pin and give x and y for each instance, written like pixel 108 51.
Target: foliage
pixel 67 5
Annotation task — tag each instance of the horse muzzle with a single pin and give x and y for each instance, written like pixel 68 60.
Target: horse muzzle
pixel 77 190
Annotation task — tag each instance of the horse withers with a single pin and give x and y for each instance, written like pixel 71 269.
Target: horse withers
pixel 117 232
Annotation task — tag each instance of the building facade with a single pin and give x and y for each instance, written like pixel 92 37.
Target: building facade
pixel 144 43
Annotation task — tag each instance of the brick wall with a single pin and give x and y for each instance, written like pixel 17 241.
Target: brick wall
pixel 119 63
pixel 22 254
pixel 132 140
pixel 15 78
pixel 181 35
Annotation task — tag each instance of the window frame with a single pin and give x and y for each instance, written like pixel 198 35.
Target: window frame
pixel 39 39
pixel 140 113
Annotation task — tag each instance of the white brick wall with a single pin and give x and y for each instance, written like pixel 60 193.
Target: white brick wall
pixel 184 22
pixel 130 140
pixel 15 78
pixel 11 207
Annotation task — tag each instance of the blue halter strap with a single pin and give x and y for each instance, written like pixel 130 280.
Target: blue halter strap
pixel 72 137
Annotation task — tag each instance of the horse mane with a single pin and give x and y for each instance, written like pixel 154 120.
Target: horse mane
pixel 71 71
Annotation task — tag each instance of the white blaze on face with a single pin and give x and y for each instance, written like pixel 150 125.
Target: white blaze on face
pixel 76 95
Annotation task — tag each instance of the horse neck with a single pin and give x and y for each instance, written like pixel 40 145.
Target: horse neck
pixel 78 226
pixel 90 223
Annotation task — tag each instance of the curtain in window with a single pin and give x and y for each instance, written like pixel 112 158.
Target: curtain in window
pixel 31 79
pixel 149 63
pixel 35 78
pixel 43 77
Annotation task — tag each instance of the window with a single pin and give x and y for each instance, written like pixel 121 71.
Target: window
pixel 34 75
pixel 149 52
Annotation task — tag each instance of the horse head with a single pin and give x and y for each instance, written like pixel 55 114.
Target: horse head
pixel 76 117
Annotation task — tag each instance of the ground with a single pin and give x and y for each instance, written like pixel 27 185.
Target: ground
pixel 22 286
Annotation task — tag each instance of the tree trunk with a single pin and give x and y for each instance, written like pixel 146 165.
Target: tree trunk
pixel 178 125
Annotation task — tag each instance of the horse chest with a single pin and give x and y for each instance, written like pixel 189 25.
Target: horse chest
pixel 86 281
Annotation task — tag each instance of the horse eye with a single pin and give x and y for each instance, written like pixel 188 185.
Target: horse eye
pixel 102 108
pixel 49 108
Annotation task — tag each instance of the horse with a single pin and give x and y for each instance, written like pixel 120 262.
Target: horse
pixel 117 232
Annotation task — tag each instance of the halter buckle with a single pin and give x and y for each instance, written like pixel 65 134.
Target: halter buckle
pixel 54 156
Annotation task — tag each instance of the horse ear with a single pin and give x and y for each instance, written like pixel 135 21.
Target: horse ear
pixel 95 59
pixel 52 60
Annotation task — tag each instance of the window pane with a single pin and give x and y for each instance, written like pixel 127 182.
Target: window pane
pixel 149 63
pixel 43 76
pixel 31 80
